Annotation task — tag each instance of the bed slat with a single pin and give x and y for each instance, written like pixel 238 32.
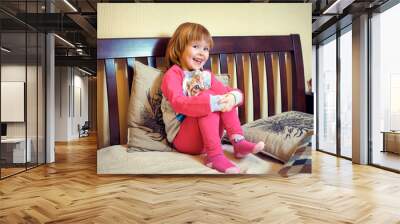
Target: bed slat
pixel 207 65
pixel 130 66
pixel 270 84
pixel 151 61
pixel 256 86
pixel 112 101
pixel 299 95
pixel 142 60
pixel 284 92
pixel 223 61
pixel 122 92
pixel 240 84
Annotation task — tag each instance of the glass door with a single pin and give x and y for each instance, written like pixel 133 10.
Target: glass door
pixel 345 61
pixel 385 89
pixel 13 94
pixel 327 96
pixel 22 67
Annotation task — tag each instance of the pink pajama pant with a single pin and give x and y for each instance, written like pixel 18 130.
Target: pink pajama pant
pixel 199 135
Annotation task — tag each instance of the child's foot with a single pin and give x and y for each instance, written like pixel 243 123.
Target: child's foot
pixel 242 148
pixel 222 164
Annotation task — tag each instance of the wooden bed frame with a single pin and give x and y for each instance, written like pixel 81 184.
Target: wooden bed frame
pixel 278 53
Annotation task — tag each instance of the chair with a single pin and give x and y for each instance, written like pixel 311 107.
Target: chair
pixel 84 130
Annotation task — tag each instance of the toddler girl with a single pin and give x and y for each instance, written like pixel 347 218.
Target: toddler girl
pixel 195 118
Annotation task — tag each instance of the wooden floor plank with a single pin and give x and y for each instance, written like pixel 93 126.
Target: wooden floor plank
pixel 70 191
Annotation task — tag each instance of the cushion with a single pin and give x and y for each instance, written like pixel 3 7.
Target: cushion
pixel 224 78
pixel 299 162
pixel 282 134
pixel 116 160
pixel 146 131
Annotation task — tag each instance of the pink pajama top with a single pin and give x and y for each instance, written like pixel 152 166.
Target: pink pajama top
pixel 175 104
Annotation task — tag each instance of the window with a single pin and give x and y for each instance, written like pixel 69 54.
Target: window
pixel 327 96
pixel 385 88
pixel 346 93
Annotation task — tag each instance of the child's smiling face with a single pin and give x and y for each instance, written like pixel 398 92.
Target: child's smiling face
pixel 195 55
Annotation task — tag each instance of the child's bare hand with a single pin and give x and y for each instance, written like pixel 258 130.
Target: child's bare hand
pixel 227 102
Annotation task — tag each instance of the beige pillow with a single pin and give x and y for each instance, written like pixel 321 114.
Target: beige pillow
pixel 282 134
pixel 224 78
pixel 146 131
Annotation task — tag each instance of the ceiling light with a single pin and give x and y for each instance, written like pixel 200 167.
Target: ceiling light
pixel 5 50
pixel 84 71
pixel 70 5
pixel 338 6
pixel 64 40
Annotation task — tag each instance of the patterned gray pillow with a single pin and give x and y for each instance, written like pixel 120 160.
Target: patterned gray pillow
pixel 282 133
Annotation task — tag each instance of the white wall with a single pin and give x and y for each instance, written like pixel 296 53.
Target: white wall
pixel 15 72
pixel 71 93
pixel 119 20
pixel 33 126
pixel 61 103
pixel 79 117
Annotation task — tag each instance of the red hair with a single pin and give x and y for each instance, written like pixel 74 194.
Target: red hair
pixel 183 35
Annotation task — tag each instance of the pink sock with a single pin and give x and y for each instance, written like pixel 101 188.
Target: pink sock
pixel 242 147
pixel 222 164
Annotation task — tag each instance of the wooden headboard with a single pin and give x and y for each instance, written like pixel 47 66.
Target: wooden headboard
pixel 268 69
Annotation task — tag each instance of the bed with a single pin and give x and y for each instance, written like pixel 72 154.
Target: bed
pixel 268 70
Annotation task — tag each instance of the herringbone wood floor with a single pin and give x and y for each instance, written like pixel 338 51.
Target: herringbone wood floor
pixel 70 191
